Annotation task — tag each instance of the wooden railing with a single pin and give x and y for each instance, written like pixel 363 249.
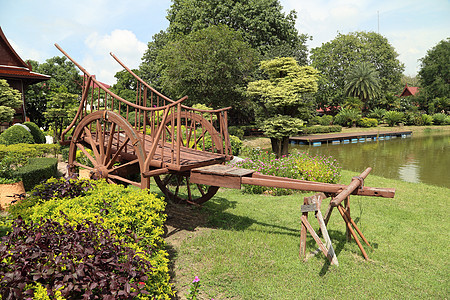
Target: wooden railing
pixel 165 125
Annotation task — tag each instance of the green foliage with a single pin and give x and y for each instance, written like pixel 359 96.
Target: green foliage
pixel 29 150
pixel 263 24
pixel 16 135
pixel 393 117
pixel 321 129
pixel 439 119
pixel 324 120
pixel 297 166
pixel 36 132
pixel 377 113
pixel 236 131
pixel 61 109
pixel 283 98
pixel 281 126
pixel 63 73
pixel 336 58
pixel 347 117
pixel 8 166
pixel 37 169
pixel 9 99
pixel 434 71
pixel 368 122
pixel 362 82
pixel 210 66
pixel 123 210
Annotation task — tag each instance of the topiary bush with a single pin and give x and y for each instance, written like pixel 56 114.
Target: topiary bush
pixel 16 135
pixel 37 169
pixel 79 261
pixel 123 210
pixel 29 150
pixel 36 132
pixel 368 122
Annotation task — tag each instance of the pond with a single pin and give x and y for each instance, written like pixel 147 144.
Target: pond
pixel 420 158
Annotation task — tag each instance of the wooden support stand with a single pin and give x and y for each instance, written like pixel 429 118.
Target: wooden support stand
pixel 313 203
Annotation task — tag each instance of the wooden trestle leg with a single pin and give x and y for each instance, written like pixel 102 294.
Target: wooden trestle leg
pixel 313 203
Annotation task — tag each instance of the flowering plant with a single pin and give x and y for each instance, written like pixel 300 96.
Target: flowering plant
pixel 298 165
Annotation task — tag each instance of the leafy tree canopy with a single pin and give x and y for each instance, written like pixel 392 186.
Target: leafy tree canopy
pixel 362 82
pixel 336 58
pixel 261 22
pixel 434 71
pixel 63 74
pixel 211 66
pixel 283 99
pixel 9 99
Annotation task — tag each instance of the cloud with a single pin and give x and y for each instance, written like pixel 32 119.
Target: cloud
pixel 123 43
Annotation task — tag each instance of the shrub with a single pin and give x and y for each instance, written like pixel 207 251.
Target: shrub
pixel 377 113
pixel 368 122
pixel 37 169
pixel 123 210
pixel 321 129
pixel 36 132
pixel 427 119
pixel 393 117
pixel 236 131
pixel 83 260
pixel 347 117
pixel 236 144
pixel 29 150
pixel 16 135
pixel 297 165
pixel 324 120
pixel 439 119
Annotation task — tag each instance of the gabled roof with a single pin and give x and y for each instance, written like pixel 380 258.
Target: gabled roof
pixel 409 91
pixel 13 67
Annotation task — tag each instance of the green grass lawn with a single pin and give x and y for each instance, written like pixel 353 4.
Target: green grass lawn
pixel 249 248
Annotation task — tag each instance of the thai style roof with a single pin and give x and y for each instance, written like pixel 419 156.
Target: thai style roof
pixel 13 67
pixel 409 91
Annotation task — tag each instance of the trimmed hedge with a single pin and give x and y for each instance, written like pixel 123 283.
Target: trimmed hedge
pixel 36 132
pixel 37 169
pixel 16 135
pixel 29 150
pixel 321 129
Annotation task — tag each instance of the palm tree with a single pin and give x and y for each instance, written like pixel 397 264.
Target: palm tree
pixel 363 82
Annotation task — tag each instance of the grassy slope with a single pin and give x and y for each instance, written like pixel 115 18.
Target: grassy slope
pixel 251 250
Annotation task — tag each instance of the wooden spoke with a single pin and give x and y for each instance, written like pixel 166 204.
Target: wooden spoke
pixel 113 157
pixel 130 163
pixel 81 147
pixel 178 188
pixel 116 155
pixel 93 145
pixel 110 141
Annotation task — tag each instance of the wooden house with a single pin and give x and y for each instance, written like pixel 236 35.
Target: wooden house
pixel 17 73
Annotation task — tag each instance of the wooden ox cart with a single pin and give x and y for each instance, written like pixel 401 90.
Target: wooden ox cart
pixel 184 149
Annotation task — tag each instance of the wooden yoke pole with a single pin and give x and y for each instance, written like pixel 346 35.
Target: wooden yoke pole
pixel 357 181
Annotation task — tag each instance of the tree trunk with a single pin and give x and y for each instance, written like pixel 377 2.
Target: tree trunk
pixel 280 146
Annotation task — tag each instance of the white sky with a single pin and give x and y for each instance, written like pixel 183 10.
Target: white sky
pixel 89 29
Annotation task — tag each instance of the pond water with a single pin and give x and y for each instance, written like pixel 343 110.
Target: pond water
pixel 420 158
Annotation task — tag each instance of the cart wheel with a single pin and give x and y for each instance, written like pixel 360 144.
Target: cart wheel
pixel 109 148
pixel 178 188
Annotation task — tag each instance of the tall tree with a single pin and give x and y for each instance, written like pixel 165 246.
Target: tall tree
pixel 63 74
pixel 61 110
pixel 434 73
pixel 261 22
pixel 211 66
pixel 336 58
pixel 282 99
pixel 362 82
pixel 9 100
